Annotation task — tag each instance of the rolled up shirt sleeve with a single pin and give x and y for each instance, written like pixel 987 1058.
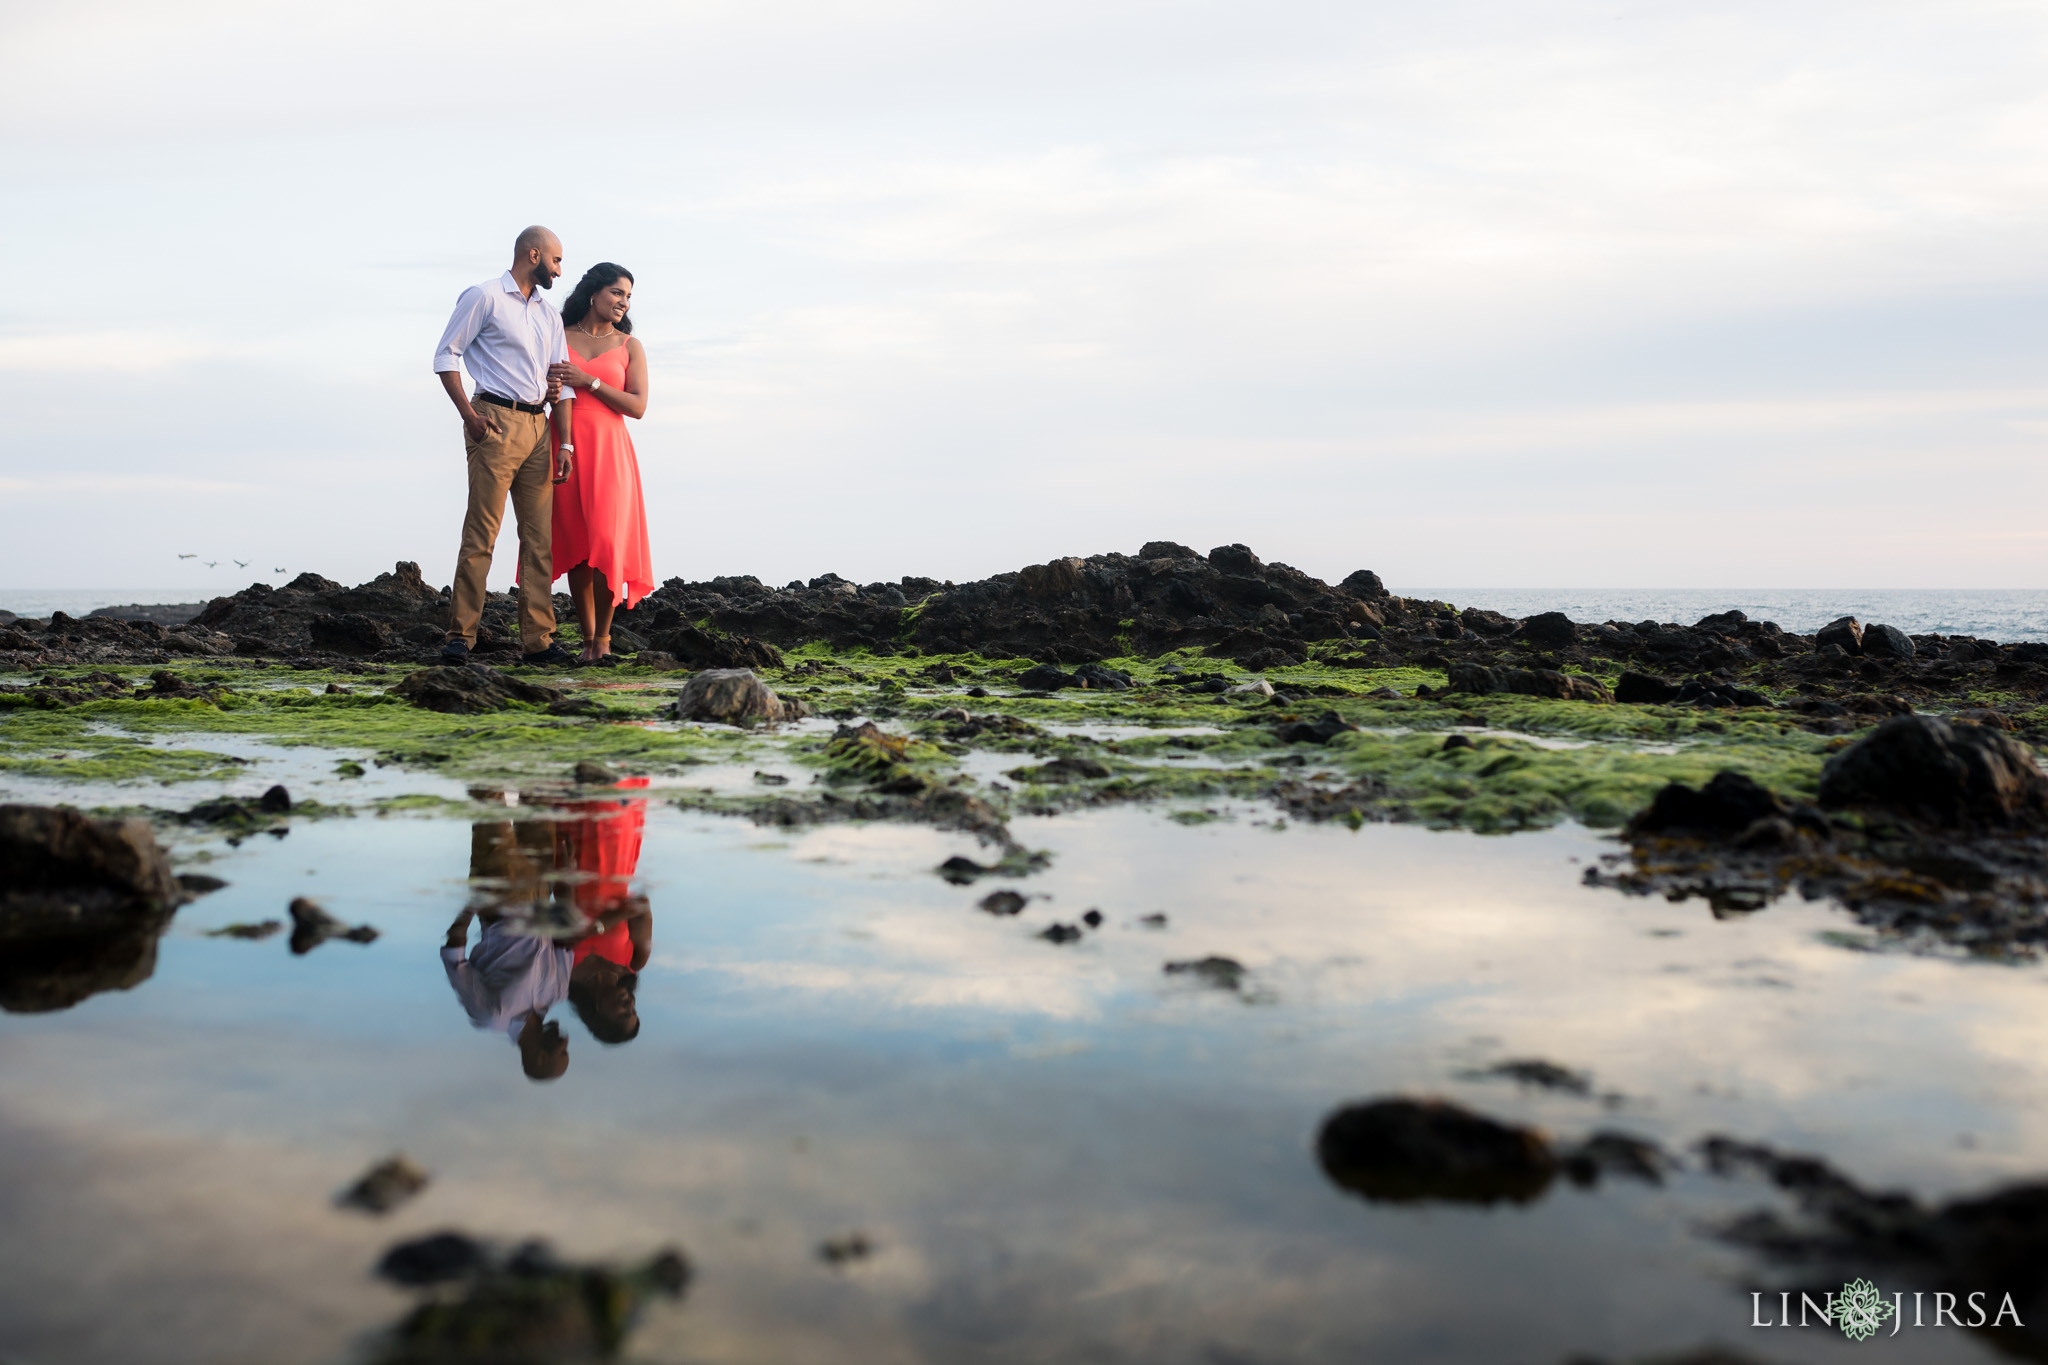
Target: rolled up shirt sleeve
pixel 463 326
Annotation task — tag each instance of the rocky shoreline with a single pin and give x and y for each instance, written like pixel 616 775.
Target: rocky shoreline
pixel 1073 612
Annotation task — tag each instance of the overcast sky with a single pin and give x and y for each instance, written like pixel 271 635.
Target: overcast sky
pixel 1505 294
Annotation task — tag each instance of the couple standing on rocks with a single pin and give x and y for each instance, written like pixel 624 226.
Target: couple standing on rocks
pixel 576 487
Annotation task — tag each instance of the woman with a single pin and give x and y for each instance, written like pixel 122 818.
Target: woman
pixel 600 525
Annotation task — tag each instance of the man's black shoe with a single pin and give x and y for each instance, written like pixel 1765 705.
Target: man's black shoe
pixel 554 656
pixel 455 652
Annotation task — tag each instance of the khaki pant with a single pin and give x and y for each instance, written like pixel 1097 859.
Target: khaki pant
pixel 512 457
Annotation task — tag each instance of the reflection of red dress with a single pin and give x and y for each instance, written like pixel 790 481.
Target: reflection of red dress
pixel 599 519
pixel 607 835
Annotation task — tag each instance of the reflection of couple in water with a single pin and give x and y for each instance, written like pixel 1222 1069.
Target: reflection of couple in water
pixel 559 923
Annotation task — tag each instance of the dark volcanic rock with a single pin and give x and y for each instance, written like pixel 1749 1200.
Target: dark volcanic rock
pixel 701 649
pixel 1408 1151
pixel 1550 629
pixel 1844 632
pixel 1045 678
pixel 348 632
pixel 1727 804
pixel 470 689
pixel 1166 549
pixel 1644 689
pixel 313 926
pixel 1363 583
pixel 1952 775
pixel 284 616
pixel 1530 682
pixel 1887 642
pixel 82 904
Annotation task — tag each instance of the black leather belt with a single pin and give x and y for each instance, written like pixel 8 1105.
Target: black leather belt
pixel 508 403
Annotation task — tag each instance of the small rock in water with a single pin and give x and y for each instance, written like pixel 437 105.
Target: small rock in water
pixel 588 774
pixel 384 1186
pixel 1458 742
pixel 771 779
pixel 1093 919
pixel 962 871
pixel 1045 678
pixel 1409 1151
pixel 199 883
pixel 434 1259
pixel 1615 1154
pixel 839 1251
pixel 1224 973
pixel 733 696
pixel 1060 770
pixel 1060 933
pixel 313 926
pixel 1155 920
pixel 1003 902
pixel 250 931
pixel 1544 1075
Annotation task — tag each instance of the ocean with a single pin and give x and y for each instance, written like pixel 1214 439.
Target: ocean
pixel 2004 614
pixel 1989 613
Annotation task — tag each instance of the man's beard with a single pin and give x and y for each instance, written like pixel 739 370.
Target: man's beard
pixel 544 277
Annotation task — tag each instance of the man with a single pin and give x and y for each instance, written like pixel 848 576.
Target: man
pixel 511 341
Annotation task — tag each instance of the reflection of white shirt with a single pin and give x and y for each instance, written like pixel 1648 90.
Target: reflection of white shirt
pixel 504 340
pixel 508 974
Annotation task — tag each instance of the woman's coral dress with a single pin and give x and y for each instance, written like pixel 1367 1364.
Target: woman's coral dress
pixel 599 518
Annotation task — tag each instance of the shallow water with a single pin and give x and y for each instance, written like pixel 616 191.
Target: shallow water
pixel 1059 1153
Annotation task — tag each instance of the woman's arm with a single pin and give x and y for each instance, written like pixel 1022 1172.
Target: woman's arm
pixel 633 400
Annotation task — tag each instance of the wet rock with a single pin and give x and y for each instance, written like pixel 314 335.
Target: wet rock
pixel 1234 559
pixel 1549 630
pixel 962 871
pixel 1727 804
pixel 313 926
pixel 1528 682
pixel 732 696
pixel 1093 919
pixel 1045 678
pixel 842 1251
pixel 484 1307
pixel 1995 1242
pixel 384 1186
pixel 1644 689
pixel 660 660
pixel 1408 1151
pixel 1102 678
pixel 1061 770
pixel 1060 933
pixel 701 649
pixel 1722 623
pixel 82 904
pixel 434 1259
pixel 1952 776
pixel 199 883
pixel 1887 642
pixel 1166 549
pixel 1222 973
pixel 588 774
pixel 275 801
pixel 1534 1071
pixel 1612 1154
pixel 1844 633
pixel 165 685
pixel 349 632
pixel 1319 731
pixel 1155 920
pixel 471 689
pixel 256 932
pixel 1457 742
pixel 1003 902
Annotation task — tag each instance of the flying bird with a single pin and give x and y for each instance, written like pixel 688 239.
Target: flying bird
pixel 188 556
pixel 277 570
pixel 241 563
pixel 209 563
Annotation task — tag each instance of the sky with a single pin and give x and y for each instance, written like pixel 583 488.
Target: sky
pixel 1509 294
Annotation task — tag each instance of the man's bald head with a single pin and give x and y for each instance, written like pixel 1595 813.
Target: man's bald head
pixel 539 253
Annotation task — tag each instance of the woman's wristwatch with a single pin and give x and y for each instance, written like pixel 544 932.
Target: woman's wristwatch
pixel 595 386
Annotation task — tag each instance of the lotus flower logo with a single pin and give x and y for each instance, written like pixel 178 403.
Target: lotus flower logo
pixel 1860 1310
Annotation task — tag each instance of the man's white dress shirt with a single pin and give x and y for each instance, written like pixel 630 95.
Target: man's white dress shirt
pixel 508 974
pixel 505 340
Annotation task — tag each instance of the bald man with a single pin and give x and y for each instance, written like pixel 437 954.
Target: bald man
pixel 510 340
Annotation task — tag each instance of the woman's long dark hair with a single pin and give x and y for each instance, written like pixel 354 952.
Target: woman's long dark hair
pixel 577 306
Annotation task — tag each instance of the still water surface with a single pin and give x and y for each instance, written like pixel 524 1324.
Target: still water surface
pixel 1059 1153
